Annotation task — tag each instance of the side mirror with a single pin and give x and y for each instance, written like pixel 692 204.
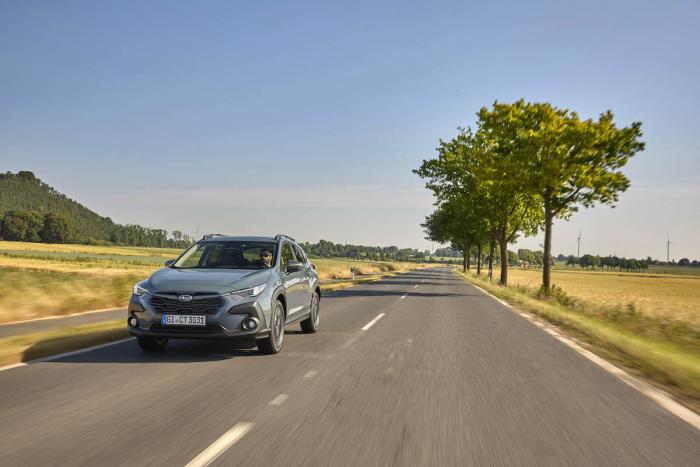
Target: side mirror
pixel 294 266
pixel 169 263
pixel 313 266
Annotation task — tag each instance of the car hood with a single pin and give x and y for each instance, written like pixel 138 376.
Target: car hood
pixel 189 281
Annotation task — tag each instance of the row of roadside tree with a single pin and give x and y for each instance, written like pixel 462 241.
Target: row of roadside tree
pixel 520 168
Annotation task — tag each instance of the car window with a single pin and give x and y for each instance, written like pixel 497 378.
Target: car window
pixel 299 253
pixel 286 256
pixel 228 255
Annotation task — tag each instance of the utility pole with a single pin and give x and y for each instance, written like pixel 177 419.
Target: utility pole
pixel 668 248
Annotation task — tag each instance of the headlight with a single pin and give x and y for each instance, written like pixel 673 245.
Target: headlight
pixel 249 292
pixel 139 291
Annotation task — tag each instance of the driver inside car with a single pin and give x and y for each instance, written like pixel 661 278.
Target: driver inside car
pixel 265 260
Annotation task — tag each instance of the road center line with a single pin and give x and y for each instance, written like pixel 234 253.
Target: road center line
pixel 403 296
pixel 220 445
pixel 279 400
pixel 371 323
pixel 310 374
pixel 415 286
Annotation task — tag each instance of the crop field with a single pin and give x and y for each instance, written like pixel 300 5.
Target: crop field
pixel 675 296
pixel 39 280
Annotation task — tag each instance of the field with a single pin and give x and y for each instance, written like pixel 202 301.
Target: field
pixel 38 280
pixel 675 296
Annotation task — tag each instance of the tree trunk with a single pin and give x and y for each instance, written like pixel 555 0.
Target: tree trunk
pixel 478 259
pixel 469 256
pixel 492 250
pixel 546 270
pixel 503 243
pixel 464 261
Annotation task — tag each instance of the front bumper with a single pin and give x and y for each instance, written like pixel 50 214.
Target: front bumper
pixel 222 322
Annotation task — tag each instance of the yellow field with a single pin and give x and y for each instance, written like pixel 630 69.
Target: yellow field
pixel 38 280
pixel 664 295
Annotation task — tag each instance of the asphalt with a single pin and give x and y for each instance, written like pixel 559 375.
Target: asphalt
pixel 60 322
pixel 447 376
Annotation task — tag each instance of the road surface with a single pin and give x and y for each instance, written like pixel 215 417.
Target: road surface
pixel 60 322
pixel 417 369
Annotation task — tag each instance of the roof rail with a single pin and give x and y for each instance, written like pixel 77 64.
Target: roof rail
pixel 212 235
pixel 279 236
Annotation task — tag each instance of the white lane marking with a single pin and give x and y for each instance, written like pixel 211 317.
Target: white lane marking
pixel 371 323
pixel 11 366
pixel 403 296
pixel 657 395
pixel 66 354
pixel 310 374
pixel 415 286
pixel 220 445
pixel 279 400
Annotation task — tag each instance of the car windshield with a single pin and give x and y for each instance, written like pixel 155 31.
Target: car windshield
pixel 228 255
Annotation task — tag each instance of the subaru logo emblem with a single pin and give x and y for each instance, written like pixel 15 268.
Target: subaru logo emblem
pixel 184 298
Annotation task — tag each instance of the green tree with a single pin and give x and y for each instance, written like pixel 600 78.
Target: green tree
pixel 21 225
pixel 57 229
pixel 569 162
pixel 512 209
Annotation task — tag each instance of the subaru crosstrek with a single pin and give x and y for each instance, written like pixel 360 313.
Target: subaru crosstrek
pixel 223 287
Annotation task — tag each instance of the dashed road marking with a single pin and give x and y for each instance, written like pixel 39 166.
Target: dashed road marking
pixel 403 296
pixel 371 323
pixel 415 286
pixel 218 447
pixel 279 400
pixel 310 374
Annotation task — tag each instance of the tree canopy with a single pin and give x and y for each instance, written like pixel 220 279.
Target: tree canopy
pixel 524 165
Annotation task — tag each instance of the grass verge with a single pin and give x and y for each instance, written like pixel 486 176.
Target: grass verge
pixel 28 347
pixel 664 354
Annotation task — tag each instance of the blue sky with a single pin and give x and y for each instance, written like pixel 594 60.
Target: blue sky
pixel 307 118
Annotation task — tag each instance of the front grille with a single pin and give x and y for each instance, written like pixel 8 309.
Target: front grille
pixel 203 305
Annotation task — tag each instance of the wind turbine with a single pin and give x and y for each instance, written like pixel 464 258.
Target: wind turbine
pixel 668 248
pixel 580 242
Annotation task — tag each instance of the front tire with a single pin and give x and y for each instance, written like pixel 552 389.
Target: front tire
pixel 152 344
pixel 273 343
pixel 310 324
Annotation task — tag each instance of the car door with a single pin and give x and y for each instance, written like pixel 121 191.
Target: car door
pixel 293 282
pixel 299 253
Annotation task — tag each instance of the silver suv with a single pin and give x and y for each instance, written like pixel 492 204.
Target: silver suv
pixel 246 288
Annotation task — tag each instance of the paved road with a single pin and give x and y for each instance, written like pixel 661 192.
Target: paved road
pixel 40 325
pixel 447 376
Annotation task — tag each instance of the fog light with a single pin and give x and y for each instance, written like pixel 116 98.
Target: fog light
pixel 133 321
pixel 250 324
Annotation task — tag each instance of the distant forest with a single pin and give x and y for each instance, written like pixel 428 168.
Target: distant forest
pixel 326 249
pixel 31 210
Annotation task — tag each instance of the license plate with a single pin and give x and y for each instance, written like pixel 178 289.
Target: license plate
pixel 183 320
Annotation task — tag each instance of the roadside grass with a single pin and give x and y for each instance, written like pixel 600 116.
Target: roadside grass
pixel 43 344
pixel 661 349
pixel 29 294
pixel 341 268
pixel 664 296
